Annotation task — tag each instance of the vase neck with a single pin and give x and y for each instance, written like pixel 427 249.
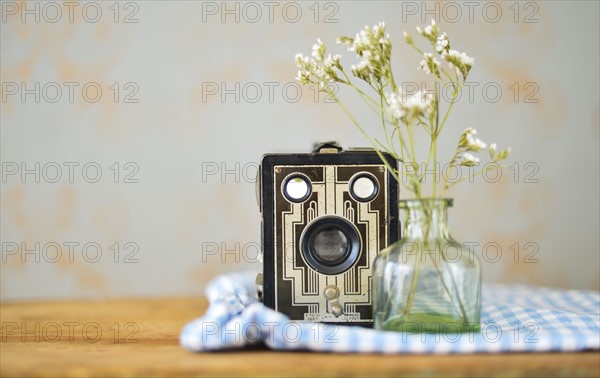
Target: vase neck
pixel 426 219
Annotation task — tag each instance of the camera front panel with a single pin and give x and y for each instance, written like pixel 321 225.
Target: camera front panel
pixel 323 224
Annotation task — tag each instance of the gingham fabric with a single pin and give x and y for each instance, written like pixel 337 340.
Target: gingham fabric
pixel 514 318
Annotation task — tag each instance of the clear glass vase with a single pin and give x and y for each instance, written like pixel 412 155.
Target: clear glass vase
pixel 427 281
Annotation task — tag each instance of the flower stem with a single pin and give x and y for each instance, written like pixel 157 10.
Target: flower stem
pixel 392 170
pixel 414 159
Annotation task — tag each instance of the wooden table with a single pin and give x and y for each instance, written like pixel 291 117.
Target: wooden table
pixel 140 338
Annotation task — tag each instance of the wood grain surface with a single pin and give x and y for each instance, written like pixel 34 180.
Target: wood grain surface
pixel 140 338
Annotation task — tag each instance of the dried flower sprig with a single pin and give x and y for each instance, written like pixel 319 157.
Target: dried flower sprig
pixel 401 114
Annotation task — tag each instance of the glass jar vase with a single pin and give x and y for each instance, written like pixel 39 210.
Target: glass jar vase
pixel 427 281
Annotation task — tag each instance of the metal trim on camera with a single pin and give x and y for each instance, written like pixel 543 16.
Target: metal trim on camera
pixel 330 245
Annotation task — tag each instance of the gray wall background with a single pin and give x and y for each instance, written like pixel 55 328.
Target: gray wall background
pixel 179 112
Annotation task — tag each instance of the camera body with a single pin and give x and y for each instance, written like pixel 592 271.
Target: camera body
pixel 325 216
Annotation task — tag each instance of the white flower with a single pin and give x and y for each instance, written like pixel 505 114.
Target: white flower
pixel 394 100
pixel 468 141
pixel 493 150
pixel 474 144
pixel 461 57
pixel 318 50
pixel 442 44
pixel 380 27
pixel 470 157
pixel 430 64
pixel 409 107
pixel 318 69
pixel 363 65
pixel 305 67
pixel 419 101
pixel 301 58
pixel 460 61
pixel 429 28
pixel 334 61
pixel 430 31
pixel 502 155
pixel 373 47
pixel 303 77
pixel 469 160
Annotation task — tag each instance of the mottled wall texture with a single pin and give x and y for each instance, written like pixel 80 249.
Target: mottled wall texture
pixel 131 134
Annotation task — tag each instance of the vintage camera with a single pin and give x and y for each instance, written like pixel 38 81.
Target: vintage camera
pixel 325 216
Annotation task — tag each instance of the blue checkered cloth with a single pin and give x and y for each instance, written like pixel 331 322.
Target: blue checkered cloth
pixel 514 318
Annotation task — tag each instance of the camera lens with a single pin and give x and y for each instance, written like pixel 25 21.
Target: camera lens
pixel 330 245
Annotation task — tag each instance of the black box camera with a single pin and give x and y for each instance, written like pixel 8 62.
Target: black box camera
pixel 325 216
